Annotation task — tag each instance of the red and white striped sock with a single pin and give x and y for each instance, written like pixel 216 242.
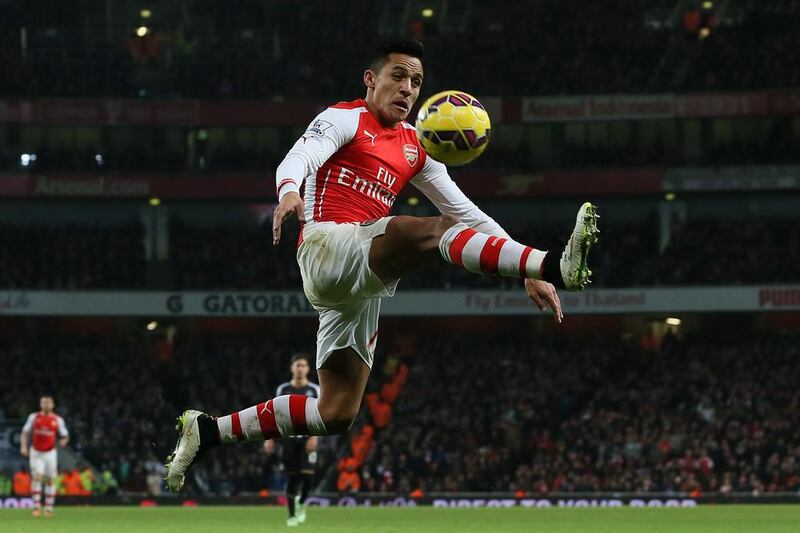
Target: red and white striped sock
pixel 482 253
pixel 49 497
pixel 36 494
pixel 284 416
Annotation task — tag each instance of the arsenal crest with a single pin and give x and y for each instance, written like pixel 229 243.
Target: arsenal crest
pixel 412 154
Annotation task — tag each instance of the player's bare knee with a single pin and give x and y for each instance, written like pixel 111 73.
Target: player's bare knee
pixel 437 228
pixel 338 420
pixel 339 424
pixel 444 223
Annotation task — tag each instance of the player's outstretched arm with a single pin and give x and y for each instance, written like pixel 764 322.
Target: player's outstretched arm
pixel 23 444
pixel 311 445
pixel 269 447
pixel 544 295
pixel 436 184
pixel 290 204
pixel 24 438
pixel 329 131
pixel 62 433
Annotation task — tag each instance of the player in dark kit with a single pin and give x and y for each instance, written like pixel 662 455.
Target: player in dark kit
pixel 298 453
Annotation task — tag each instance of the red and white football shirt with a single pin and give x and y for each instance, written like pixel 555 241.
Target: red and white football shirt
pixel 44 430
pixel 354 168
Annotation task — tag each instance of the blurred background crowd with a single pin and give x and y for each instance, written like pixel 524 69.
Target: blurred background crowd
pixel 86 256
pixel 703 414
pixel 467 412
pixel 249 48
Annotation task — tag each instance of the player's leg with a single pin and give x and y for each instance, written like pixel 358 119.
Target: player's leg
pixel 306 479
pixel 50 474
pixel 338 282
pixel 342 379
pixel 37 476
pixel 36 494
pixel 410 242
pixel 292 484
pixel 49 495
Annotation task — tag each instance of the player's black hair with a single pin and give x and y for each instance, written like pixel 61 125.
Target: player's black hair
pixel 298 356
pixel 397 45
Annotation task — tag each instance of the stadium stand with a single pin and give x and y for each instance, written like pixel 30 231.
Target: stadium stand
pixel 199 49
pixel 72 256
pixel 759 251
pixel 700 252
pixel 778 146
pixel 697 415
pixel 710 413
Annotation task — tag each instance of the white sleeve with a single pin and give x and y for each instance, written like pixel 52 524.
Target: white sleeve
pixel 332 129
pixel 29 423
pixel 435 183
pixel 62 428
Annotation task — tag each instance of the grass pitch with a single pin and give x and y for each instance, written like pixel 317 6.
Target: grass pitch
pixel 723 519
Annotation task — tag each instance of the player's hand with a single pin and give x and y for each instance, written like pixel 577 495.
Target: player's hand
pixel 269 447
pixel 23 452
pixel 311 445
pixel 291 204
pixel 63 442
pixel 544 295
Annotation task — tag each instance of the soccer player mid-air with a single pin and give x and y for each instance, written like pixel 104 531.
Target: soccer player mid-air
pixel 355 158
pixel 38 442
pixel 298 453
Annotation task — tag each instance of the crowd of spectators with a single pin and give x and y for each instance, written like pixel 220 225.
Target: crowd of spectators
pixel 316 49
pixel 72 256
pixel 727 252
pixel 108 393
pixel 742 50
pixel 698 415
pixel 699 251
pixel 508 413
pixel 119 398
pixel 233 257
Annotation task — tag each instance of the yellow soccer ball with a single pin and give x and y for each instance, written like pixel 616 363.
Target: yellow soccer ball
pixel 453 127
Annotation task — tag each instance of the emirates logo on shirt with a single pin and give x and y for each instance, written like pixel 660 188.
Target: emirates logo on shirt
pixel 412 154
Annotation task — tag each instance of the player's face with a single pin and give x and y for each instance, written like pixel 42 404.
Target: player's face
pixel 300 369
pixel 46 404
pixel 395 87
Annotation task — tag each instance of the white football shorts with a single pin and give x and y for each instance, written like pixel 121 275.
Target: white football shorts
pixel 44 464
pixel 337 280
